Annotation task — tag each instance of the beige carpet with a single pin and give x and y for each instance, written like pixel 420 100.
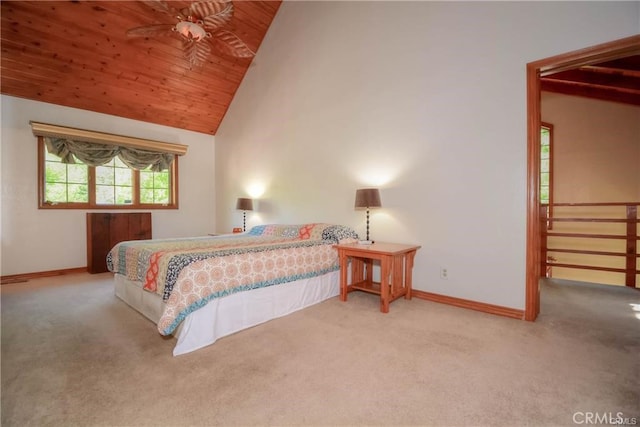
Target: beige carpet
pixel 75 355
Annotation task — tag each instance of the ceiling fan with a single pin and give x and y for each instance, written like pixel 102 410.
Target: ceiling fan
pixel 200 27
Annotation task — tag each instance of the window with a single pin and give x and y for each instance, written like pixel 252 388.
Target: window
pixel 545 163
pixel 546 169
pixel 112 185
pixel 65 183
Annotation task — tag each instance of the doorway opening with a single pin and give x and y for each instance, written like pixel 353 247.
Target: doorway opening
pixel 535 70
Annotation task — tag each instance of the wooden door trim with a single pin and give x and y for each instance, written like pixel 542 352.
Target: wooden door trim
pixel 603 52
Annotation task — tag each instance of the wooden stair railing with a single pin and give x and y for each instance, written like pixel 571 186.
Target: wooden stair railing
pixel 631 238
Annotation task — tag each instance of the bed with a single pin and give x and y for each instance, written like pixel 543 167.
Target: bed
pixel 200 289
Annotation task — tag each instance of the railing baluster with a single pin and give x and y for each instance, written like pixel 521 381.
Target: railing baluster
pixel 544 213
pixel 630 237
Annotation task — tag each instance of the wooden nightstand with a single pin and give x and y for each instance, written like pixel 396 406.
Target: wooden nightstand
pixel 396 264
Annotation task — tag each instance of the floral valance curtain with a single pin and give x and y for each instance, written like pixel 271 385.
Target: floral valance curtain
pixel 95 154
pixel 98 148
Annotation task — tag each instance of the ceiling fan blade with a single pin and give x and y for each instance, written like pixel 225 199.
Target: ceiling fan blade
pixel 163 6
pixel 151 31
pixel 230 44
pixel 196 52
pixel 214 14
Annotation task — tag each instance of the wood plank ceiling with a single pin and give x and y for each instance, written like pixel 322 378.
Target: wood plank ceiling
pixel 617 80
pixel 77 54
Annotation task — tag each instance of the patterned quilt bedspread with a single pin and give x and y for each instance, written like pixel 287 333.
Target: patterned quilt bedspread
pixel 190 272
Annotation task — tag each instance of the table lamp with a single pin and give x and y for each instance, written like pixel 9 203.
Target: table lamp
pixel 244 205
pixel 367 198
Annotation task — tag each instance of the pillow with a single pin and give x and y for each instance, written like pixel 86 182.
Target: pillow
pixel 315 231
pixel 337 233
pixel 318 229
pixel 269 230
pixel 289 231
pixel 278 230
pixel 257 230
pixel 306 230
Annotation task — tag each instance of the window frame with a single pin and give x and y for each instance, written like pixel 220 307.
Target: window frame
pixel 91 204
pixel 548 126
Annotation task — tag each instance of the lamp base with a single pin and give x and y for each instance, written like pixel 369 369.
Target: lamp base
pixel 365 242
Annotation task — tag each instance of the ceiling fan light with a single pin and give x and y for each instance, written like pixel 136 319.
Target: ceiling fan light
pixel 191 30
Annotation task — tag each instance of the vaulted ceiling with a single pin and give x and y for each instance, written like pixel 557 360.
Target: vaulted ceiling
pixel 78 54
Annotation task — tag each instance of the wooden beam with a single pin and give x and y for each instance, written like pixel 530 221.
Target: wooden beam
pixel 587 90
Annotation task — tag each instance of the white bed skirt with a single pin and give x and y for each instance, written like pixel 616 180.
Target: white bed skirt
pixel 232 313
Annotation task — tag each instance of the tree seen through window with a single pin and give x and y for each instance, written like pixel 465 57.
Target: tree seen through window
pixel 113 184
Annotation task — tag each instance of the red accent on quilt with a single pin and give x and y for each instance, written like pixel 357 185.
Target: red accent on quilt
pixel 305 231
pixel 151 279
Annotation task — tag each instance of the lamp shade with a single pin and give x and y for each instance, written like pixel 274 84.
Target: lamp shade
pixel 244 204
pixel 368 198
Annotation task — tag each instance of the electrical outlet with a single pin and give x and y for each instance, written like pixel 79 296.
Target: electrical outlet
pixel 444 274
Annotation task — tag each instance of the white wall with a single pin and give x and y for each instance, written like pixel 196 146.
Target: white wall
pixel 426 100
pixel 36 240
